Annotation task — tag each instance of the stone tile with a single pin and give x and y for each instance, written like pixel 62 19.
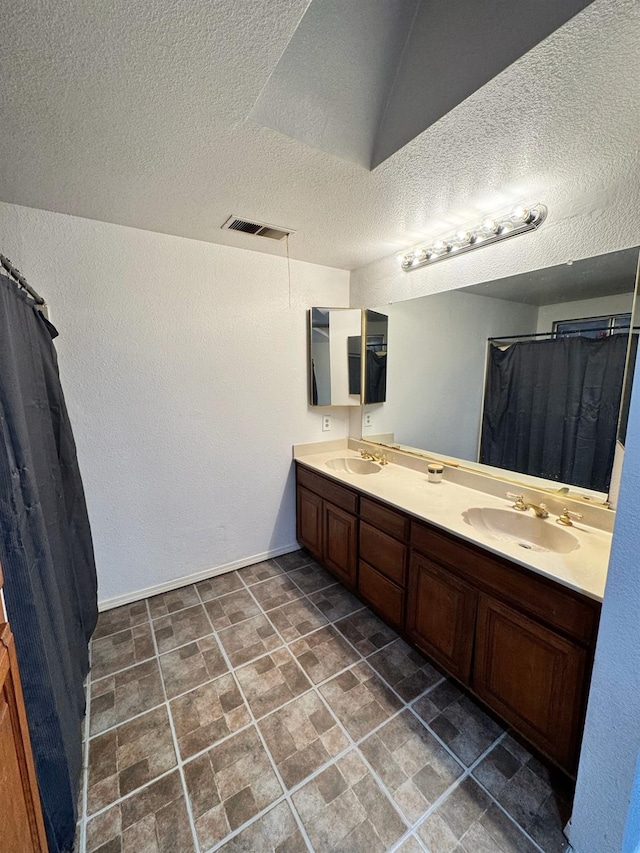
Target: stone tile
pixel 153 820
pixel 249 639
pixel 539 799
pixel 180 628
pixel 260 572
pixel 129 756
pixel 229 785
pixel 366 632
pixel 335 602
pixel 275 832
pixel 170 602
pixel 405 669
pixel 119 697
pixel 117 651
pixel 301 737
pixel 468 821
pixel 410 762
pixel 296 619
pixel 206 715
pixel 231 609
pixel 294 560
pixel 410 845
pixel 323 654
pixel 220 585
pixel 276 592
pixel 271 681
pixel 458 721
pixel 344 809
pixel 191 665
pixel 121 618
pixel 311 578
pixel 360 700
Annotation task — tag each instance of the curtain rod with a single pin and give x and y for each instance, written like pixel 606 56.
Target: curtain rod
pixel 562 334
pixel 17 276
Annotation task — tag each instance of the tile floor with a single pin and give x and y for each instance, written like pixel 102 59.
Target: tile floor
pixel 268 710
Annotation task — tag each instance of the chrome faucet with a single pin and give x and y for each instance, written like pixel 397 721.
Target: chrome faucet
pixel 540 510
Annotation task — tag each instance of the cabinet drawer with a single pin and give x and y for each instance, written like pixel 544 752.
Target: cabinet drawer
pixel 547 600
pixel 385 554
pixel 336 494
pixel 385 519
pixel 385 597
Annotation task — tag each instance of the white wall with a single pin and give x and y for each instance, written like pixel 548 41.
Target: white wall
pixel 620 303
pixel 435 382
pixel 185 373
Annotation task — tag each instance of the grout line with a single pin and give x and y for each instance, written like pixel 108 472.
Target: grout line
pixel 263 742
pixel 85 763
pixel 179 761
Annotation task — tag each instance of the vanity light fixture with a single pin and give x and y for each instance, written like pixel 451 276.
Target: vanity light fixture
pixel 491 230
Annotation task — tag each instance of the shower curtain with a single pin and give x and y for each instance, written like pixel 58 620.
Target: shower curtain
pixel 46 555
pixel 551 408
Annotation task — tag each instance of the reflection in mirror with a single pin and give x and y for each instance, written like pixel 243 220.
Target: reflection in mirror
pixel 330 330
pixel 548 347
pixel 376 330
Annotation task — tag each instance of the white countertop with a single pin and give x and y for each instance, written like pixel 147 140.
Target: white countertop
pixel 443 504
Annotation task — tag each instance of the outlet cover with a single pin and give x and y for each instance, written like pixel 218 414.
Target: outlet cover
pixel 367 419
pixel 326 423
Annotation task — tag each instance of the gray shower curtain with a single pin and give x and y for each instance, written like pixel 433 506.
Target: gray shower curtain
pixel 46 555
pixel 551 408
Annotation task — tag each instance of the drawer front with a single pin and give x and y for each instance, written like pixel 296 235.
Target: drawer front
pixel 392 522
pixel 385 554
pixel 569 612
pixel 385 597
pixel 333 492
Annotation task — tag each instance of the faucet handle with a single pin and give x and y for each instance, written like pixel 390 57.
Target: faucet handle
pixel 566 517
pixel 519 500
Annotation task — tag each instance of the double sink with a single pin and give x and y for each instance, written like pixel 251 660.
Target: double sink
pixel 505 525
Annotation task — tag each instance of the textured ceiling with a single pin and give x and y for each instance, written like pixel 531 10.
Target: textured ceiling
pixel 137 112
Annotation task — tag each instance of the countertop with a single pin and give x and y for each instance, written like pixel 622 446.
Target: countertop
pixel 444 504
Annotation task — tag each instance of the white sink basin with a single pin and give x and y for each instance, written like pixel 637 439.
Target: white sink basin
pixel 349 465
pixel 531 533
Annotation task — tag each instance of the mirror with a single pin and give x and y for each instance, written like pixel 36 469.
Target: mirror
pixel 521 375
pixel 331 362
pixel 376 333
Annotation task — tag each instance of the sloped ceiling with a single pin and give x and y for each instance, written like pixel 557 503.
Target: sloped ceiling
pixel 361 79
pixel 137 112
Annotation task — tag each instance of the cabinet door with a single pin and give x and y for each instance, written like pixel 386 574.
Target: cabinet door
pixel 441 615
pixel 533 677
pixel 310 521
pixel 340 544
pixel 385 597
pixel 21 825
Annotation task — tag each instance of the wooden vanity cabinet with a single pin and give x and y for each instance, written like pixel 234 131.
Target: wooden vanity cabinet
pixel 327 524
pixel 441 616
pixel 532 676
pixel 522 643
pixel 383 554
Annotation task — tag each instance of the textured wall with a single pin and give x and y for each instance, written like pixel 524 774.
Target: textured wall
pixel 185 372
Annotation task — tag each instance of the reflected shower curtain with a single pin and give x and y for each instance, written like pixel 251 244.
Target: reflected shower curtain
pixel 46 555
pixel 551 408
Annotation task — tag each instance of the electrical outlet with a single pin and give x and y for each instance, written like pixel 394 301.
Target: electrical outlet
pixel 326 423
pixel 367 419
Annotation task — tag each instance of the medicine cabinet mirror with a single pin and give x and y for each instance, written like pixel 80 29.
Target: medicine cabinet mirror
pixel 342 370
pixel 527 376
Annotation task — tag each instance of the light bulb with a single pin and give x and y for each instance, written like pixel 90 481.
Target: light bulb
pixel 463 237
pixel 520 213
pixel 489 225
pixel 504 227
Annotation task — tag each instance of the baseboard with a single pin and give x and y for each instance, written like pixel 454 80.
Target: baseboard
pixel 185 580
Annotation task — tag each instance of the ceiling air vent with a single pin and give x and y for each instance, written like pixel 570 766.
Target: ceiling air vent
pixel 260 229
